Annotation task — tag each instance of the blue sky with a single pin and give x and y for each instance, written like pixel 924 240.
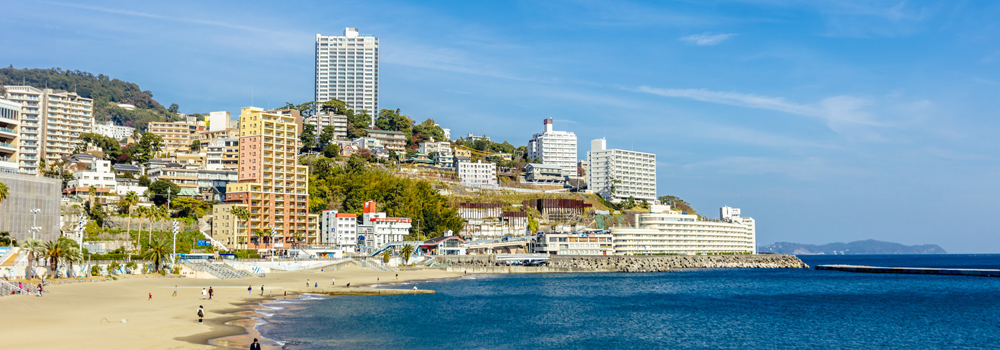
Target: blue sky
pixel 825 121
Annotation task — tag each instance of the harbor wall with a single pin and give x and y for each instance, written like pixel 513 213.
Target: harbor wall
pixel 557 263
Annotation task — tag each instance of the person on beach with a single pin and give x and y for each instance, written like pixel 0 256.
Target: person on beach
pixel 249 290
pixel 175 291
pixel 397 277
pixel 255 345
pixel 333 281
pixel 39 290
pixel 348 284
pixel 262 290
pixel 210 293
pixel 201 313
pixel 307 282
pixel 150 297
pixel 204 293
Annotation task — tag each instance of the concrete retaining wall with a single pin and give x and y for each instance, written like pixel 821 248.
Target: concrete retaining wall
pixel 25 193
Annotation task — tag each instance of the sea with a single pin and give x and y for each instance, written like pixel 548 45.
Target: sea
pixel 685 309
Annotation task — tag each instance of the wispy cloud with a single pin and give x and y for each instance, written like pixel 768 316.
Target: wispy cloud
pixel 706 39
pixel 161 17
pixel 949 154
pixel 839 112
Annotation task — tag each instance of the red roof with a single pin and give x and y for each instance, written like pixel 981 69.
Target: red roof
pixel 346 215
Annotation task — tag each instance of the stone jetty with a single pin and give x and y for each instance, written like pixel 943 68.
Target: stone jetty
pixel 656 263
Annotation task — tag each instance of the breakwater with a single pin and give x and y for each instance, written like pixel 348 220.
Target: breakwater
pixel 488 263
pixel 912 270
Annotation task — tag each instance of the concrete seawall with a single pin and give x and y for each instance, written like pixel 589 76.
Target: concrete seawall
pixel 912 270
pixel 488 264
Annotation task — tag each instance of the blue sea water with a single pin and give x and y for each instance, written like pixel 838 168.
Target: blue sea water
pixel 689 309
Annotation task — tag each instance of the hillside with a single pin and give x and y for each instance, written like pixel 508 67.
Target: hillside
pixel 870 246
pixel 106 92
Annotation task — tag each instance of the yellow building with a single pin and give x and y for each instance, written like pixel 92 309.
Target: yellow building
pixel 176 135
pixel 226 228
pixel 271 183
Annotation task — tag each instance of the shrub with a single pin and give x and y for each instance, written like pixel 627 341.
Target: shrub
pixel 95 270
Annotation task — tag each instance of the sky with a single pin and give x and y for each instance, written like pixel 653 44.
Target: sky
pixel 824 121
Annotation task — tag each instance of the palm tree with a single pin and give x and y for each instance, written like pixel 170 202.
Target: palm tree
pixel 131 198
pixel 34 247
pixel 297 236
pixel 158 251
pixel 91 192
pixel 406 252
pixel 260 236
pixel 4 192
pixel 386 255
pixel 242 215
pixel 60 249
pixel 114 266
pixel 131 266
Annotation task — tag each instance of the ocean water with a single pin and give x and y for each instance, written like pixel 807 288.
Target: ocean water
pixel 690 309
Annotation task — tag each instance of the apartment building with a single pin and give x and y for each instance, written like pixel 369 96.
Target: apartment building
pixel 477 173
pixel 294 113
pixel 177 136
pixel 217 121
pixel 391 140
pixel 347 70
pixel 9 137
pixel 575 243
pixel 337 121
pixel 227 228
pixel 664 231
pixel 99 175
pixel 222 153
pixel 111 130
pixel 554 148
pixel 271 183
pixel 619 174
pixel 207 136
pixel 184 178
pixel 51 124
pixel 339 230
pixel 440 152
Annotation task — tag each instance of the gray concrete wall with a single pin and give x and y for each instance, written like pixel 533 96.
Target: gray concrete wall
pixel 27 192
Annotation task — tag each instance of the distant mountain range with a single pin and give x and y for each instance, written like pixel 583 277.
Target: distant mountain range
pixel 870 246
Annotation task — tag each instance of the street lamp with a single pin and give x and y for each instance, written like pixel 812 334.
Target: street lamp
pixel 272 243
pixel 34 222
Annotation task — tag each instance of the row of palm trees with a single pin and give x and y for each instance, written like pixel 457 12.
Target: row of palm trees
pixel 65 250
pixel 243 216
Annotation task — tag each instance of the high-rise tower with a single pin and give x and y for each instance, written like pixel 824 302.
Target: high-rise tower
pixel 347 70
pixel 272 184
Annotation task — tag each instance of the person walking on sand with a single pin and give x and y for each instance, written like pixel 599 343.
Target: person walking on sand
pixel 397 277
pixel 262 290
pixel 249 290
pixel 39 289
pixel 201 314
pixel 255 345
pixel 204 294
pixel 150 297
pixel 175 291
pixel 333 281
pixel 307 282
pixel 210 293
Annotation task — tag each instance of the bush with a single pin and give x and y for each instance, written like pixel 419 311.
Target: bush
pixel 95 270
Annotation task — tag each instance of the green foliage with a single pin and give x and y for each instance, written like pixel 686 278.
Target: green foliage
pixel 247 254
pixel 190 207
pixel 427 131
pixel 61 250
pixel 114 266
pixel 331 151
pixel 195 145
pixel 386 255
pixel 159 249
pixel 395 121
pixel 7 240
pixel 308 137
pixel 327 135
pixel 677 204
pixel 107 93
pixel 159 189
pixel 4 192
pixel 406 252
pixel 144 181
pixel 332 186
pixel 95 270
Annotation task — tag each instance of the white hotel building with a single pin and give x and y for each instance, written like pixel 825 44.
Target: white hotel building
pixel 51 124
pixel 663 231
pixel 478 173
pixel 635 173
pixel 554 148
pixel 347 70
pixel 339 230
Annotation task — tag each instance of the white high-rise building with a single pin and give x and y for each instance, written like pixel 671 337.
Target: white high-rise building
pixel 9 139
pixel 665 231
pixel 218 121
pixel 111 130
pixel 627 173
pixel 51 124
pixel 347 70
pixel 554 148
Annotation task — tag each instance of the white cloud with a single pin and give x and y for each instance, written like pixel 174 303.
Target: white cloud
pixel 707 39
pixel 843 114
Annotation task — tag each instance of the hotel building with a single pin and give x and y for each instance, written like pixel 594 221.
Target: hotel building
pixel 111 130
pixel 663 231
pixel 51 124
pixel 377 230
pixel 337 121
pixel 347 70
pixel 339 229
pixel 478 173
pixel 271 183
pixel 391 140
pixel 9 139
pixel 226 228
pixel 628 173
pixel 554 148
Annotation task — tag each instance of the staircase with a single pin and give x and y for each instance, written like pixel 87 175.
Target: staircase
pixel 7 288
pixel 11 259
pixel 373 266
pixel 220 271
pixel 203 227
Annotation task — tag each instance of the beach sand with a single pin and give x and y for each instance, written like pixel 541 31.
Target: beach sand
pixel 88 315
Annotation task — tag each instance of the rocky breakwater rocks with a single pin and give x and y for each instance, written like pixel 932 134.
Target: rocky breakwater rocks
pixel 670 262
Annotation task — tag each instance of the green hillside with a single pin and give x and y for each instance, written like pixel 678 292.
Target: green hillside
pixel 106 92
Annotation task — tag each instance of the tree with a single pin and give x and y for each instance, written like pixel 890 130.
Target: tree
pixel 331 150
pixel 7 240
pixel 406 252
pixel 308 137
pixel 144 181
pixel 113 267
pixel 159 190
pixel 428 131
pixel 130 200
pixel 327 135
pixel 4 192
pixel 195 145
pixel 159 250
pixel 386 255
pixel 260 237
pixel 174 108
pixel 34 247
pixel 62 249
pixel 532 224
pixel 242 215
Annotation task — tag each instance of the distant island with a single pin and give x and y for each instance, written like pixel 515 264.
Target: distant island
pixel 870 246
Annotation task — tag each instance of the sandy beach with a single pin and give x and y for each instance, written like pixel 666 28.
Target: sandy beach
pixel 89 315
